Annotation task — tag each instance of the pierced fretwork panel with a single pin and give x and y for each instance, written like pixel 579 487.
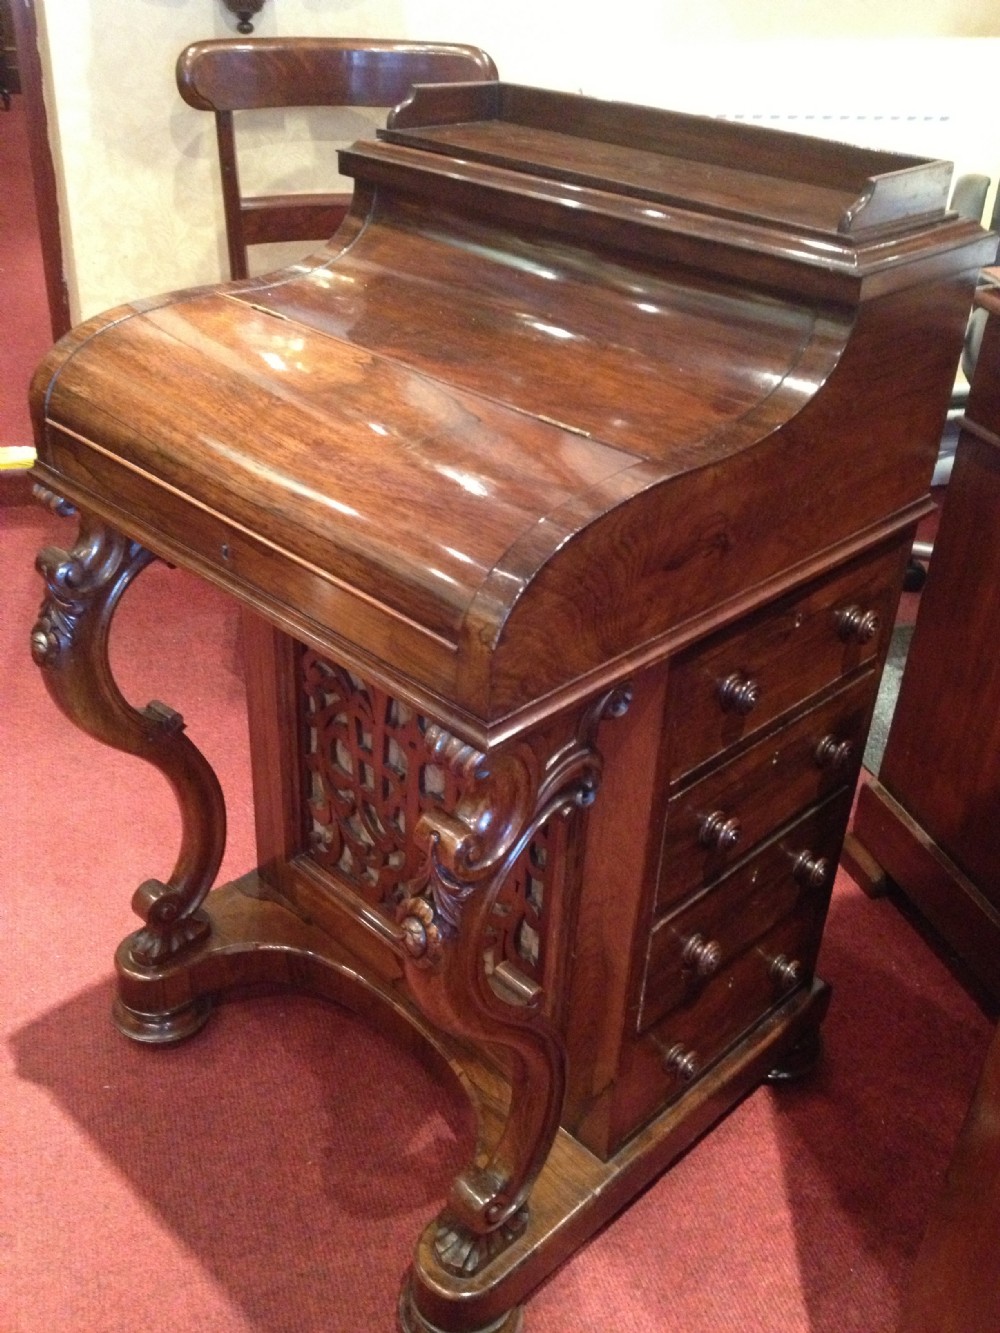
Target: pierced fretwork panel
pixel 519 917
pixel 369 775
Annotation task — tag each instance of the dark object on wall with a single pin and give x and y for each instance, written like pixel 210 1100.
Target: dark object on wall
pixel 244 10
pixel 10 78
pixel 228 76
pixel 553 481
pixel 42 169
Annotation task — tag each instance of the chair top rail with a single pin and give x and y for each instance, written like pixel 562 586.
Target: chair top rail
pixel 232 75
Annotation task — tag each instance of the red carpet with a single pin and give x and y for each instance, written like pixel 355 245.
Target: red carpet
pixel 25 335
pixel 271 1175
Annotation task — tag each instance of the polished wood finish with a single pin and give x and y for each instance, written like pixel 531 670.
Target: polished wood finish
pixel 572 486
pixel 929 820
pixel 231 75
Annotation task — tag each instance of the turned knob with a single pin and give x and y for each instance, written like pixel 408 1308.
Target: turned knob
pixel 738 694
pixel 681 1062
pixel 853 622
pixel 831 753
pixel 703 955
pixel 787 972
pixel 718 832
pixel 812 872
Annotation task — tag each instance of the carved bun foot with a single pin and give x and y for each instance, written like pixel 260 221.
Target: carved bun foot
pixel 412 1321
pixel 799 1060
pixel 165 1028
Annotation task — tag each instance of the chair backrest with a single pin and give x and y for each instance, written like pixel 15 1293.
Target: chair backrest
pixel 241 75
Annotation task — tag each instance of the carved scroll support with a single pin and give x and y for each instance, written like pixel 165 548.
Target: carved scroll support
pixel 507 798
pixel 70 644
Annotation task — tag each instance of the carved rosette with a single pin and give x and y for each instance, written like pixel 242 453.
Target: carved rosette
pixel 506 802
pixel 458 845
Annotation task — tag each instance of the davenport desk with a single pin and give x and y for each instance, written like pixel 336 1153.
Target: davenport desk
pixel 571 485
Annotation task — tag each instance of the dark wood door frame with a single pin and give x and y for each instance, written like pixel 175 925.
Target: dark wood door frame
pixel 42 167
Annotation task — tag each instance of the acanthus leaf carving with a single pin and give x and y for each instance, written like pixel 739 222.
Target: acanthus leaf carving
pixel 507 799
pixel 464 1252
pixel 170 926
pixel 505 802
pixel 74 579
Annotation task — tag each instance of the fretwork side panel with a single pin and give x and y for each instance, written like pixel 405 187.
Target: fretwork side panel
pixel 368 775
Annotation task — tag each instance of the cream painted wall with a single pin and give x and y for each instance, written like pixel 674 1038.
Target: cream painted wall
pixel 137 167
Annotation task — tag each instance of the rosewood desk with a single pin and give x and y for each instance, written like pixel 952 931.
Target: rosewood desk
pixel 571 487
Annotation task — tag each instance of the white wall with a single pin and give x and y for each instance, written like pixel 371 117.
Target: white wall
pixel 137 167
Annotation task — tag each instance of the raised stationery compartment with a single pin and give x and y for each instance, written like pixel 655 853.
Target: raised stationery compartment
pixel 669 158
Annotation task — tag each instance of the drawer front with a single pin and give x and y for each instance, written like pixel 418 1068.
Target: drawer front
pixel 660 1065
pixel 729 687
pixel 714 823
pixel 701 947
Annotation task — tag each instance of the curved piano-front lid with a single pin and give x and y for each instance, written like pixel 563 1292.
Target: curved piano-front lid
pixel 503 434
pixel 412 431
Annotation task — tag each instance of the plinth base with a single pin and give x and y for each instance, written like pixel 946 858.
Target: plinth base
pixel 162 1029
pixel 412 1321
pixel 255 941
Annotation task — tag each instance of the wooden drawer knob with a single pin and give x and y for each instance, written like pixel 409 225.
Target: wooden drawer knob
pixel 679 1061
pixel 853 622
pixel 738 694
pixel 812 872
pixel 833 754
pixel 718 832
pixel 786 972
pixel 703 955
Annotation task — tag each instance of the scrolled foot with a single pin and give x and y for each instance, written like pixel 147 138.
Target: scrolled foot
pixel 412 1321
pixel 463 1251
pixel 170 926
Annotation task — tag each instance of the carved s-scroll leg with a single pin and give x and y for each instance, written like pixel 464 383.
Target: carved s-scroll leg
pixel 487 1206
pixel 70 645
pixel 507 798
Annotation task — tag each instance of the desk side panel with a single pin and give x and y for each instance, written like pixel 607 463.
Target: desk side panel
pixel 861 449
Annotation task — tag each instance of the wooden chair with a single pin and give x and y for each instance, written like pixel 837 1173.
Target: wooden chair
pixel 240 75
